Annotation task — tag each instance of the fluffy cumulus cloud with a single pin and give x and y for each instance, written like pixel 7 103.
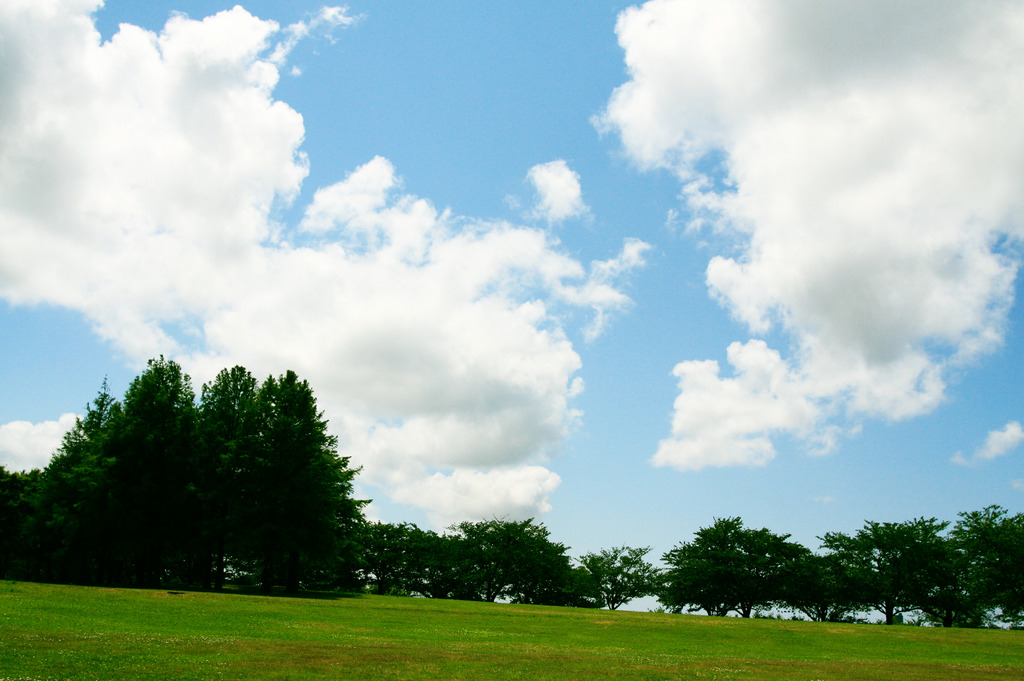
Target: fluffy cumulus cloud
pixel 559 195
pixel 25 445
pixel 864 163
pixel 727 421
pixel 138 180
pixel 998 443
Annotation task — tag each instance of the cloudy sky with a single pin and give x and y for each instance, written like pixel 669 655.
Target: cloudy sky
pixel 624 269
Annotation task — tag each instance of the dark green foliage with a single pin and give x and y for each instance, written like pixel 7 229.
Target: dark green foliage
pixel 16 491
pixel 73 534
pixel 392 557
pixel 583 591
pixel 619 575
pixel 294 491
pixel 991 545
pixel 729 568
pixel 945 593
pixel 508 560
pixel 153 446
pixel 229 436
pixel 481 561
pixel 435 564
pixel 157 491
pixel 891 567
pixel 817 589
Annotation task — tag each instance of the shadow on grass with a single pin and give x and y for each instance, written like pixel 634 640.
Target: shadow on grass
pixel 276 592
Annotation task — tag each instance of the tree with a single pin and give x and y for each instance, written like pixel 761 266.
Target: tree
pixel 992 543
pixel 945 594
pixel 72 533
pixel 816 588
pixel 16 490
pixel 729 568
pixel 435 564
pixel 620 575
pixel 295 490
pixel 511 560
pixel 583 590
pixel 391 557
pixel 229 440
pixel 153 447
pixel 890 566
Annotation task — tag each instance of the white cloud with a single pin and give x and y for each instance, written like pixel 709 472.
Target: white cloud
pixel 998 443
pixel 24 445
pixel 866 159
pixel 727 421
pixel 517 493
pixel 1001 442
pixel 559 195
pixel 327 19
pixel 1017 484
pixel 137 180
pixel 342 205
pixel 600 291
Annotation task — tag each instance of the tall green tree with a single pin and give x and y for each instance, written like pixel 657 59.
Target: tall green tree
pixel 619 575
pixel 890 566
pixel 729 568
pixel 16 491
pixel 296 492
pixel 229 440
pixel 154 450
pixel 72 532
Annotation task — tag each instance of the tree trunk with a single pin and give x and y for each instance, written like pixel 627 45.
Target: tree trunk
pixel 292 583
pixel 267 576
pixel 218 582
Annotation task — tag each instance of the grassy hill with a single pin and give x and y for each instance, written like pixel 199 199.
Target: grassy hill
pixel 61 632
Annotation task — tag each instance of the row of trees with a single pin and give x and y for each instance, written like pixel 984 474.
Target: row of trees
pixel 157 489
pixel 969 575
pixel 491 560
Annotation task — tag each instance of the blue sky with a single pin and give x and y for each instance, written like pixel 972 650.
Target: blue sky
pixel 623 269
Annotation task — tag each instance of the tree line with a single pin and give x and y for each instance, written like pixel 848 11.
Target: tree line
pixel 967 575
pixel 497 559
pixel 245 485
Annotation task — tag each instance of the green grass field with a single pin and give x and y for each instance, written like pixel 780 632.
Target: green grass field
pixel 62 632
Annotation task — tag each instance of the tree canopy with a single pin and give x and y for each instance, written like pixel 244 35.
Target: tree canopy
pixel 620 575
pixel 729 568
pixel 991 542
pixel 889 566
